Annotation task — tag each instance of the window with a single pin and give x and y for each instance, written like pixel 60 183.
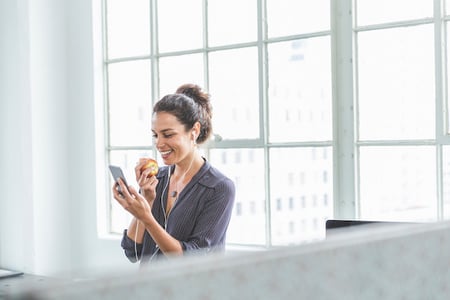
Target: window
pixel 291 203
pixel 344 112
pixel 400 134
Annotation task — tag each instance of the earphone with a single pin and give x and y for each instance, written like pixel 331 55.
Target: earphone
pixel 161 198
pixel 194 137
pixel 135 242
pixel 164 211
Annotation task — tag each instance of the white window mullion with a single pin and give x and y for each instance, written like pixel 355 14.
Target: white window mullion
pixel 264 116
pixel 440 106
pixel 343 110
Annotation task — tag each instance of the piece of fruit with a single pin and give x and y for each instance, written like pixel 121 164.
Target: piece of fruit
pixel 153 165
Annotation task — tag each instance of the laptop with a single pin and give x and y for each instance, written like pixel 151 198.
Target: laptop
pixel 342 223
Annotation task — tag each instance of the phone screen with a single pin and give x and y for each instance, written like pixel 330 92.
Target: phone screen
pixel 116 174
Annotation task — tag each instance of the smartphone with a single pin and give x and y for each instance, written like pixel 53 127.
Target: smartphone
pixel 116 174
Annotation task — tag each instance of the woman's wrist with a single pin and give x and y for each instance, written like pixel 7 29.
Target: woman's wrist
pixel 148 196
pixel 148 221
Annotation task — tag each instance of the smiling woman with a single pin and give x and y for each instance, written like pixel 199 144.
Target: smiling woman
pixel 187 205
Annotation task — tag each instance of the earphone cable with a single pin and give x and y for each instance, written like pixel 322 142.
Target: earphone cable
pixel 135 240
pixel 165 220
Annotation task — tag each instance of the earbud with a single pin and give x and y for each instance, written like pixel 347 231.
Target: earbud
pixel 194 138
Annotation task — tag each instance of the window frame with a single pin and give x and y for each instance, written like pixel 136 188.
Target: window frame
pixel 345 141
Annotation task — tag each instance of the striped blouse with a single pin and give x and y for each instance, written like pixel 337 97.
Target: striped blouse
pixel 199 218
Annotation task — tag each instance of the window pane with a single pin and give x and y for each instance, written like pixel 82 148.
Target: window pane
pixel 289 17
pixel 234 90
pixel 301 191
pixel 382 11
pixel 448 77
pixel 177 70
pixel 129 103
pixel 300 90
pixel 128 28
pixel 396 83
pixel 246 168
pixel 446 180
pixel 120 219
pixel 398 183
pixel 243 27
pixel 180 25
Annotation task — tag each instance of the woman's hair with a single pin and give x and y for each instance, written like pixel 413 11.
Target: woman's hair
pixel 189 104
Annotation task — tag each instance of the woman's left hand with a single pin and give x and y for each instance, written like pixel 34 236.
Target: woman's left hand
pixel 146 184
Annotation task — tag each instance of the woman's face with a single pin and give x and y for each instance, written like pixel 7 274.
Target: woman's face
pixel 170 138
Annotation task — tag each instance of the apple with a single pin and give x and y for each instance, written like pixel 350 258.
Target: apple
pixel 153 165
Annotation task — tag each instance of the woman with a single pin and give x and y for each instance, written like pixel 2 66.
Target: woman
pixel 187 206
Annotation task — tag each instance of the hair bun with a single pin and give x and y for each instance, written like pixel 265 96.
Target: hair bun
pixel 190 90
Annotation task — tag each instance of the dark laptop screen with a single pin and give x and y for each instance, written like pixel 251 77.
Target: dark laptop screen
pixel 337 223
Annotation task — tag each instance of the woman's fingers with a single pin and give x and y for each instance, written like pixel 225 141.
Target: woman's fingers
pixel 119 196
pixel 123 189
pixel 131 200
pixel 144 179
pixel 138 169
pixel 127 196
pixel 133 193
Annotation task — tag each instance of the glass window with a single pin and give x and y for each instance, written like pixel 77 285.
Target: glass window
pixel 398 86
pixel 291 17
pixel 242 29
pixel 299 77
pixel 383 11
pixel 180 25
pixel 315 122
pixel 446 181
pixel 177 70
pixel 285 161
pixel 128 28
pixel 233 80
pixel 129 103
pixel 300 90
pixel 448 77
pixel 398 183
pixel 396 83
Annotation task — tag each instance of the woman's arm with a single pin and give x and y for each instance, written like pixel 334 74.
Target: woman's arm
pixel 167 243
pixel 132 240
pixel 136 231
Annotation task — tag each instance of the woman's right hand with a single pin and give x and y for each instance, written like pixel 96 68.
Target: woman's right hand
pixel 146 184
pixel 132 201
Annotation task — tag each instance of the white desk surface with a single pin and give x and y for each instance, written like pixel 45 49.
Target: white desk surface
pixel 13 285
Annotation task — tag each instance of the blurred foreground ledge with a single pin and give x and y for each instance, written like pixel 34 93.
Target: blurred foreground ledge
pixel 411 261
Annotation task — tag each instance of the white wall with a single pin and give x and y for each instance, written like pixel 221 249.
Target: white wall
pixel 16 206
pixel 49 171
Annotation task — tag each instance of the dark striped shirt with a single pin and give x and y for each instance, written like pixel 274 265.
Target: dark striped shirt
pixel 199 218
